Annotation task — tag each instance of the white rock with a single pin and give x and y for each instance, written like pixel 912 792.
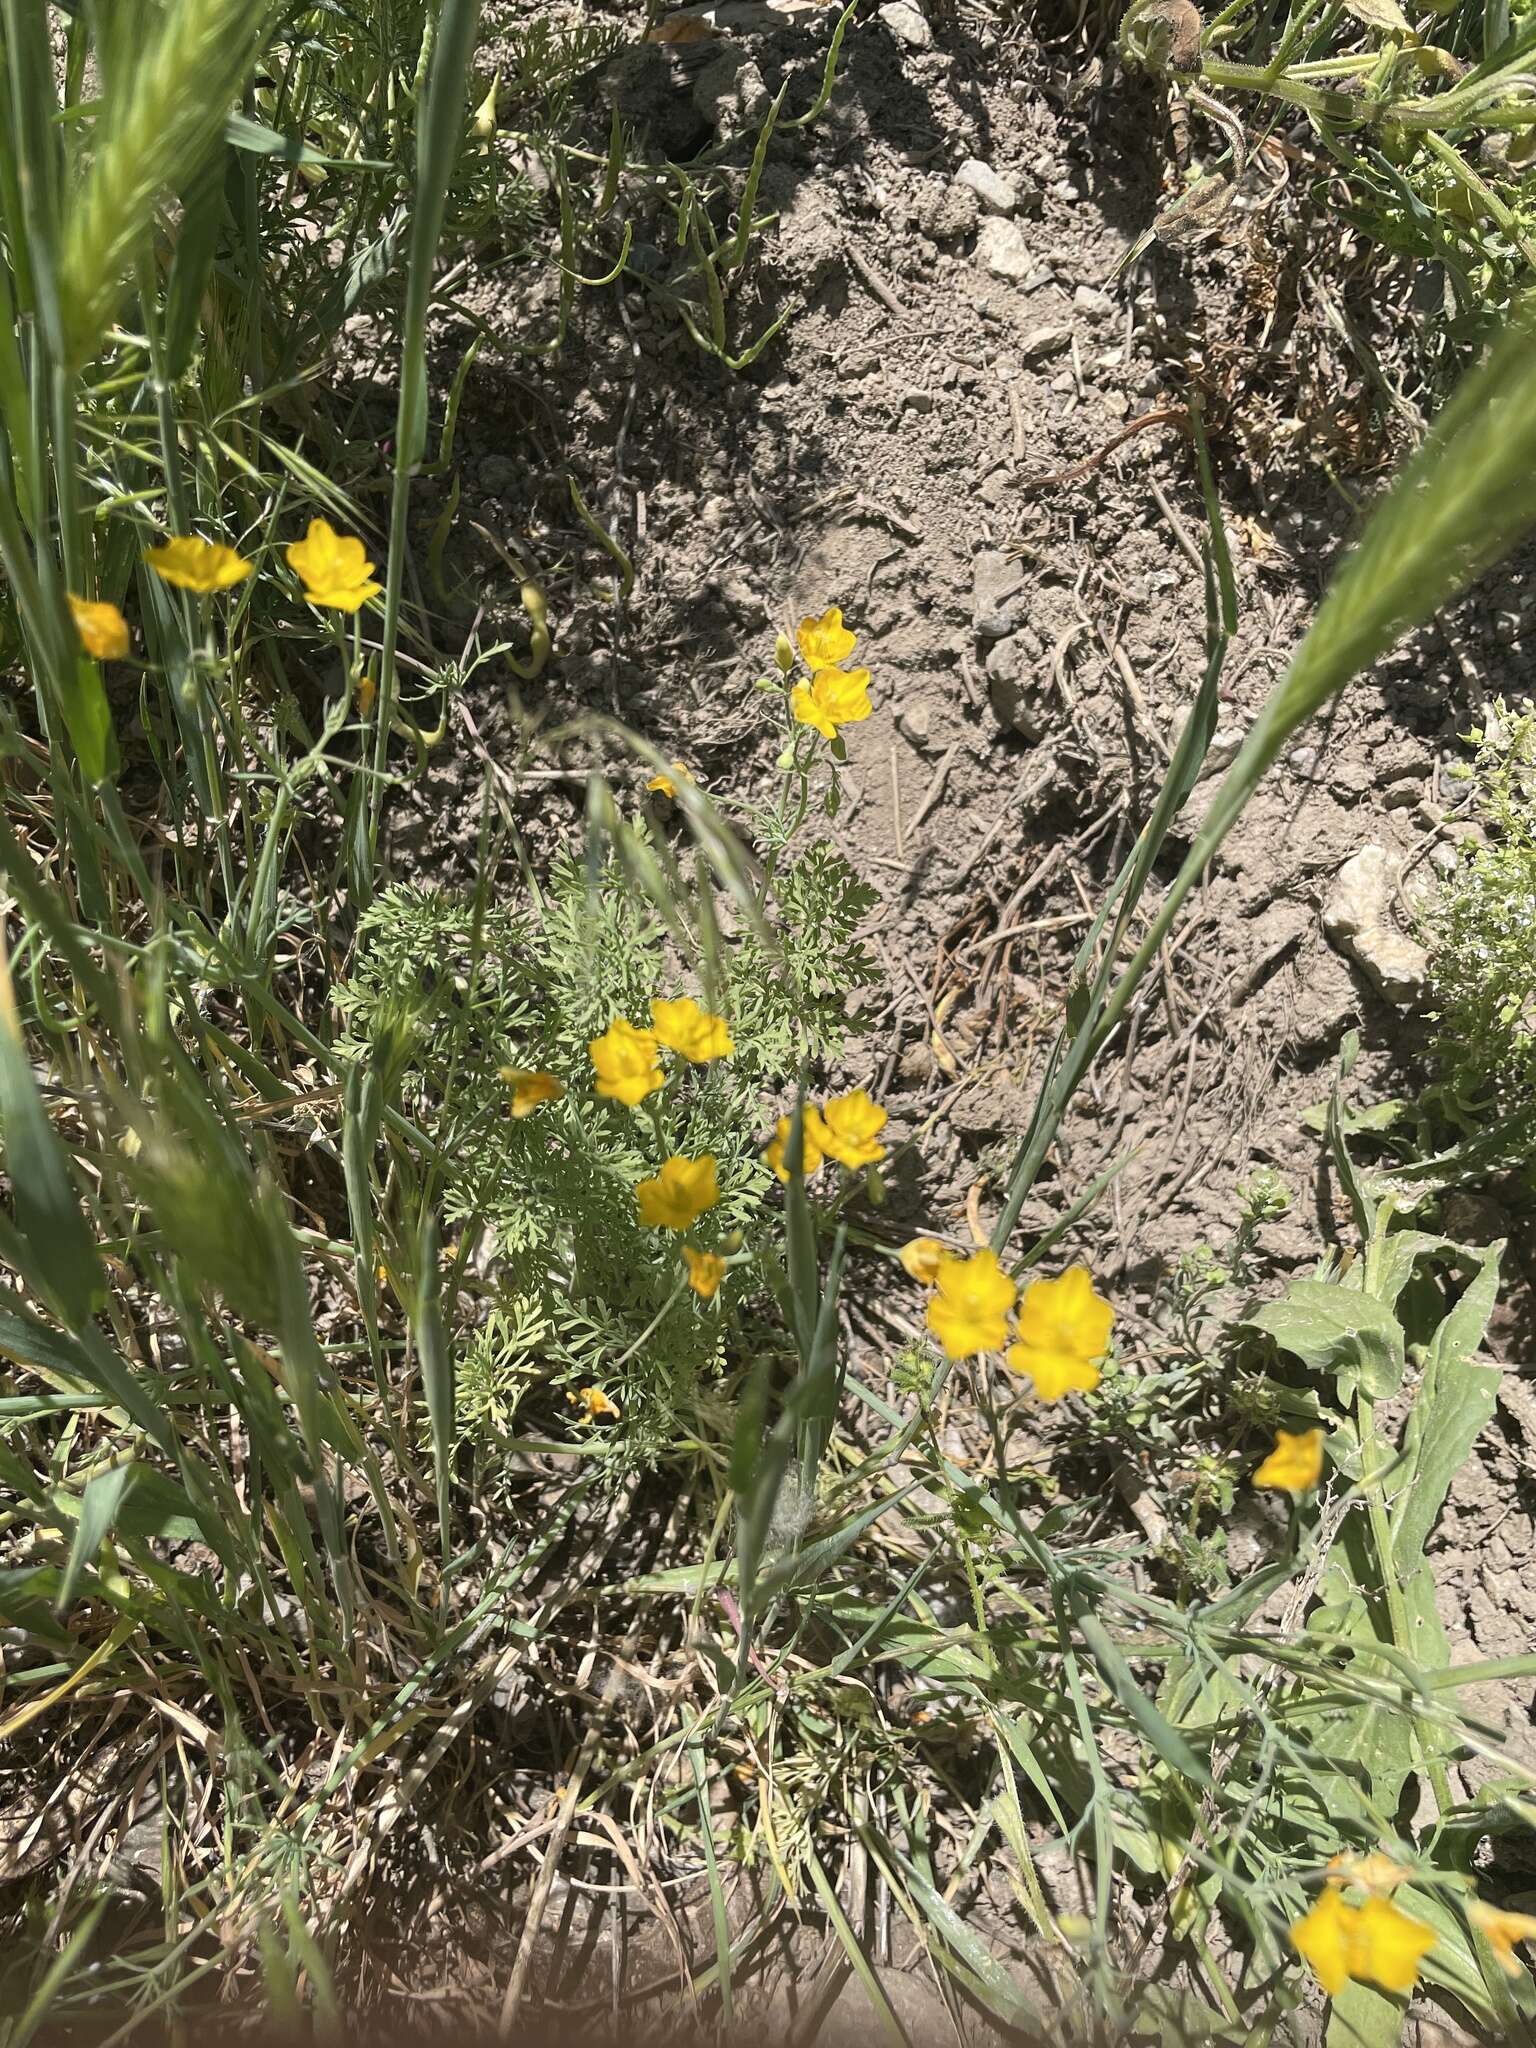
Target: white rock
pixel 997 195
pixel 1000 247
pixel 1360 920
pixel 907 25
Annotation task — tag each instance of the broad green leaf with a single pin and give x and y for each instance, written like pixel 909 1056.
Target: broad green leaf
pixel 1336 1329
pixel 1363 2017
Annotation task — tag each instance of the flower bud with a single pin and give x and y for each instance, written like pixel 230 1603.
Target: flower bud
pixel 784 653
pixel 483 122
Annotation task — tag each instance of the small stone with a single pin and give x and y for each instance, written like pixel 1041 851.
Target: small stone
pixel 907 25
pixel 1000 247
pixel 1065 382
pixel 994 488
pixel 997 195
pixel 913 722
pixel 1359 919
pixel 997 592
pixel 1043 342
pixel 1222 752
pixel 1009 674
pixel 1116 404
pixel 1092 300
pixel 917 401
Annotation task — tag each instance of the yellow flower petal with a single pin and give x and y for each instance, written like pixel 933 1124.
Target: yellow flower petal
pixel 1389 1945
pixel 851 1127
pixel 699 1035
pixel 1053 1373
pixel 969 1309
pixel 624 1061
pixel 1373 1873
pixel 102 628
pixel 922 1257
pixel 194 564
pixel 825 641
pixel 679 1193
pixel 667 784
pixel 594 1403
pixel 1063 1331
pixel 1502 1930
pixel 530 1086
pixel 808 711
pixel 1325 1939
pixel 1376 1941
pixel 333 567
pixel 705 1272
pixel 1295 1464
pixel 812 1150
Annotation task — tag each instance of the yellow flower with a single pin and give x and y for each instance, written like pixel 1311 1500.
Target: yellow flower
pixel 1295 1464
pixel 667 784
pixel 969 1309
pixel 367 690
pixel 1376 1940
pixel 679 1194
pixel 812 1147
pixel 922 1257
pixel 102 628
pixel 850 1129
pixel 530 1086
pixel 625 1062
pixel 194 564
pixel 835 697
pixel 705 1272
pixel 1063 1332
pixel 594 1402
pixel 825 641
pixel 334 568
pixel 1374 1873
pixel 699 1035
pixel 1502 1930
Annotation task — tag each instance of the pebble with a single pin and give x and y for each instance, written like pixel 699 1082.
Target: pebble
pixel 914 722
pixel 997 194
pixel 1000 248
pixel 1041 342
pixel 997 593
pixel 917 401
pixel 1092 300
pixel 1009 675
pixel 907 25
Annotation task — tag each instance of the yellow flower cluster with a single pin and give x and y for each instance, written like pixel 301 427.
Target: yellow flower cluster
pixel 333 568
pixel 627 1062
pixel 846 1128
pixel 1062 1327
pixel 626 1058
pixel 835 696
